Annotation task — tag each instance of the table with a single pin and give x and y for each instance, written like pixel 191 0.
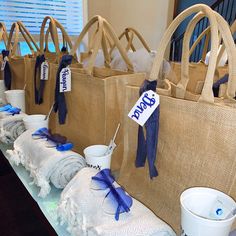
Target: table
pixel 49 204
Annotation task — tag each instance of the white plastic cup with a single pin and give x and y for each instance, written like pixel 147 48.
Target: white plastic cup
pixel 206 211
pixel 35 122
pixel 16 98
pixel 95 158
pixel 2 90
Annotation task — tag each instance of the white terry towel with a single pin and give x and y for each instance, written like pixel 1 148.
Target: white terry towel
pixel 45 164
pixel 11 127
pixel 82 209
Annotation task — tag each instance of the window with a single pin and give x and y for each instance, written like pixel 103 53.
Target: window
pixel 69 13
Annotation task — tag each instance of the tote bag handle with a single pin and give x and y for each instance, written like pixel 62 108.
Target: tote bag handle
pixel 66 38
pixel 222 49
pixel 129 34
pixel 12 48
pixel 102 24
pixel 205 32
pixel 171 29
pixel 207 94
pixel 28 37
pixel 3 33
pixel 54 34
pixel 181 86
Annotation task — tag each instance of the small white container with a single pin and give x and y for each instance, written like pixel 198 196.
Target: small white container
pixel 35 122
pixel 95 158
pixel 206 212
pixel 16 98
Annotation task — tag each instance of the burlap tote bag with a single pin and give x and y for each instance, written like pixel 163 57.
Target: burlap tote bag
pixel 41 92
pixel 16 70
pixel 94 106
pixel 196 137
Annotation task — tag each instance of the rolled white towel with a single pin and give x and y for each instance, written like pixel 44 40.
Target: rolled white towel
pixel 82 209
pixel 11 127
pixel 45 164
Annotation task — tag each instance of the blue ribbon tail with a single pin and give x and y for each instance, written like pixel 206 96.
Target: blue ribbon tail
pixel 38 92
pixel 141 149
pixel 152 127
pixel 60 100
pixel 7 71
pixel 147 149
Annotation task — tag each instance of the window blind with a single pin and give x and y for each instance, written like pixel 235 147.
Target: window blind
pixel 32 12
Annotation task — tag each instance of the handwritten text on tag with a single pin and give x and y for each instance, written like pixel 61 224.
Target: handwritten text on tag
pixel 65 80
pixel 3 65
pixel 144 107
pixel 44 71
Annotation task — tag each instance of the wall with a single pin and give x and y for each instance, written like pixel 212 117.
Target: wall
pixel 149 17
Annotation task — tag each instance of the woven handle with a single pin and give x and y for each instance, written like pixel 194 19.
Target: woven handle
pixel 102 24
pixel 28 37
pixel 12 49
pixel 3 33
pixel 129 34
pixel 66 38
pixel 54 34
pixel 171 29
pixel 205 32
pixel 182 85
pixel 228 40
pixel 222 49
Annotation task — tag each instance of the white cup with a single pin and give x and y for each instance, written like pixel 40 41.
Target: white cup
pixel 95 158
pixel 206 211
pixel 35 122
pixel 2 90
pixel 16 98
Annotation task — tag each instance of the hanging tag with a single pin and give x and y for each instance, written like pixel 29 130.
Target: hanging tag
pixel 3 64
pixel 144 107
pixel 44 71
pixel 65 80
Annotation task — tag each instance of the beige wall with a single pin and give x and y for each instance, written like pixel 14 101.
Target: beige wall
pixel 149 17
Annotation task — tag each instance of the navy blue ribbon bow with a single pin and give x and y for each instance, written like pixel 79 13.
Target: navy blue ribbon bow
pixel 147 149
pixel 117 199
pixel 60 142
pixel 7 70
pixel 38 93
pixel 60 100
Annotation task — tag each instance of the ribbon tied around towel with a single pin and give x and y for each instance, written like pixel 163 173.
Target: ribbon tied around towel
pixel 10 109
pixel 116 201
pixel 58 141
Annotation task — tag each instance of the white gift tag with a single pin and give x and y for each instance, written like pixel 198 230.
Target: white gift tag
pixel 44 71
pixel 3 65
pixel 144 107
pixel 65 80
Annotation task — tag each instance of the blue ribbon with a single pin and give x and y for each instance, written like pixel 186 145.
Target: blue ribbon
pixel 105 180
pixel 5 107
pixel 59 141
pixel 38 93
pixel 7 70
pixel 216 85
pixel 147 149
pixel 60 100
pixel 10 109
